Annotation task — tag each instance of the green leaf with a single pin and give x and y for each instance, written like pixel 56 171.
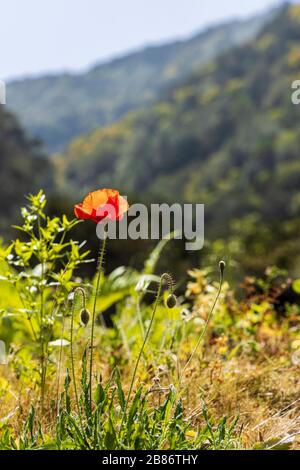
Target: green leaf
pixel 120 390
pixel 99 394
pixel 296 286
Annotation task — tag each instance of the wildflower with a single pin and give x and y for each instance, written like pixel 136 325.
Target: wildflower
pixel 98 206
pixel 102 204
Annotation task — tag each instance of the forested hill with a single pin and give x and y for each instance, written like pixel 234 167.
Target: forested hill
pixel 58 108
pixel 228 137
pixel 23 169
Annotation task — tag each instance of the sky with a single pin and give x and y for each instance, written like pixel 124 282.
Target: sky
pixel 49 36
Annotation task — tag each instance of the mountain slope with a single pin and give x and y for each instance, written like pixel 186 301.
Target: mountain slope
pixel 23 170
pixel 58 108
pixel 229 137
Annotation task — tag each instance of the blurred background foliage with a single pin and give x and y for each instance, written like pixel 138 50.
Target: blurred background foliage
pixel 58 108
pixel 208 120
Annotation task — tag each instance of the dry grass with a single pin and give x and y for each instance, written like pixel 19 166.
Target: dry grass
pixel 264 393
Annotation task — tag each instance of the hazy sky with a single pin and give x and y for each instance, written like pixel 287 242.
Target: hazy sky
pixel 38 36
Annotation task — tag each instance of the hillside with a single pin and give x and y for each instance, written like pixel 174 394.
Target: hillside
pixel 228 137
pixel 58 108
pixel 23 169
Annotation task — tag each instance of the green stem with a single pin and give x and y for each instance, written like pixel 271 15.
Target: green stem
pixel 79 290
pixel 28 316
pixel 43 352
pixel 59 362
pixel 206 324
pixel 141 351
pixel 100 268
pixel 61 347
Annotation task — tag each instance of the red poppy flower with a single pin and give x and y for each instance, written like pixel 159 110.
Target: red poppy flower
pixel 102 205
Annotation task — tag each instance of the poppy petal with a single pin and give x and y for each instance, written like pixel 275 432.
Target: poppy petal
pixel 100 205
pixel 81 212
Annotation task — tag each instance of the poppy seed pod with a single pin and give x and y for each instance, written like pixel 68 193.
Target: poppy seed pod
pixel 84 316
pixel 171 301
pixel 222 266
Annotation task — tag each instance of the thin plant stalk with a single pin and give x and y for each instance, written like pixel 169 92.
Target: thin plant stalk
pixel 207 320
pixel 28 317
pixel 142 349
pixel 61 347
pixel 43 352
pixel 60 362
pixel 81 291
pixel 100 269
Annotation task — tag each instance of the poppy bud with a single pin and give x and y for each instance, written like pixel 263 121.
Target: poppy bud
pixel 84 316
pixel 222 267
pixel 171 301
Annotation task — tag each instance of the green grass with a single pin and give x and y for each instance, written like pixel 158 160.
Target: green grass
pixel 203 374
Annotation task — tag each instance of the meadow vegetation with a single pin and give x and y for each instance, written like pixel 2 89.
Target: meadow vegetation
pixel 212 368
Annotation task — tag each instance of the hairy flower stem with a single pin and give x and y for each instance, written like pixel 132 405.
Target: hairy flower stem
pixel 59 364
pixel 43 359
pixel 164 276
pixel 62 335
pixel 81 291
pixel 207 321
pixel 100 269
